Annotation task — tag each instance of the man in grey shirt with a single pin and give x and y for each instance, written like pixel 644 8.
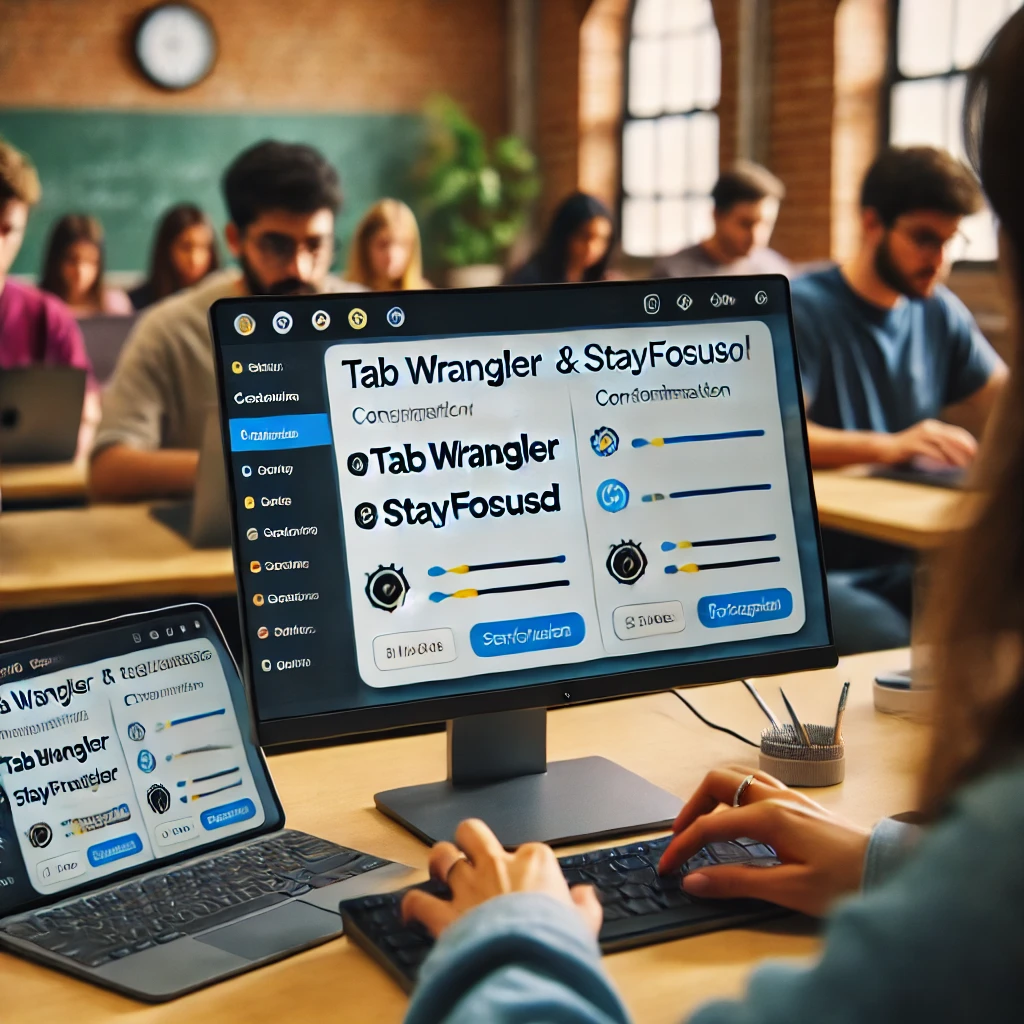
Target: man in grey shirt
pixel 282 200
pixel 747 198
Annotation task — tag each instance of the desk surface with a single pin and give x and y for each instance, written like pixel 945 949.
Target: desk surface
pixel 100 553
pixel 330 792
pixel 913 515
pixel 44 481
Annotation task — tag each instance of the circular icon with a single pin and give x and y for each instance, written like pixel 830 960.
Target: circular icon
pixel 684 302
pixel 612 495
pixel 265 665
pixel 626 562
pixel 257 599
pixel 158 798
pixel 252 533
pixel 263 632
pixel 652 303
pixel 358 464
pixel 604 441
pixel 39 835
pixel 761 298
pixel 245 325
pixel 321 320
pixel 716 300
pixel 236 367
pixel 247 471
pixel 137 732
pixel 386 587
pixel 147 762
pixel 282 322
pixel 396 316
pixel 366 515
pixel 255 566
pixel 250 502
pixel 357 318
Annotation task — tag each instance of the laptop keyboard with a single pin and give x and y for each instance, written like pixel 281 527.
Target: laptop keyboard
pixel 641 907
pixel 143 913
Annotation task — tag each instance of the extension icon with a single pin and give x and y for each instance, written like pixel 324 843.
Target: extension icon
pixel 604 441
pixel 626 562
pixel 612 495
pixel 386 587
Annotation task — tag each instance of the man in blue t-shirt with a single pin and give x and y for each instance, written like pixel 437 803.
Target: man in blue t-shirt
pixel 884 348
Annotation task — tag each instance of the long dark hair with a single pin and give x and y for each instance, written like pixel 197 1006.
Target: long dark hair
pixel 551 260
pixel 163 279
pixel 72 228
pixel 974 626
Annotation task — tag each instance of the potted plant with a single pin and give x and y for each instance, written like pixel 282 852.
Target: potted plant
pixel 475 198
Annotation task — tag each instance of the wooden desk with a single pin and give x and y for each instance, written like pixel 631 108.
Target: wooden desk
pixel 913 515
pixel 330 792
pixel 42 482
pixel 102 553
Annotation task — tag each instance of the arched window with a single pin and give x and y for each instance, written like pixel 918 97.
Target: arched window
pixel 670 131
pixel 934 43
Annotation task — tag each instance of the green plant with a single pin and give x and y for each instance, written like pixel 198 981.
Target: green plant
pixel 475 198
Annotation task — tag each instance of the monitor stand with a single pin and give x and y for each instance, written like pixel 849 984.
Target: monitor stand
pixel 498 771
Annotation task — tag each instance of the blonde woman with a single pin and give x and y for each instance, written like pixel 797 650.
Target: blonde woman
pixel 385 253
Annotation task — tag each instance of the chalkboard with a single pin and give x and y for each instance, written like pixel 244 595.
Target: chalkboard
pixel 128 167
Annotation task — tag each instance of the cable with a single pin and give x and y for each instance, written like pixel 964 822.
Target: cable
pixel 720 728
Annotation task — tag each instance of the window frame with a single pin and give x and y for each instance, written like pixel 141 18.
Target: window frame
pixel 628 118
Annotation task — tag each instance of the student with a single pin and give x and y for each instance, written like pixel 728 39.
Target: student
pixel 73 268
pixel 282 199
pixel 577 246
pixel 746 198
pixel 386 253
pixel 884 347
pixel 35 327
pixel 925 924
pixel 184 252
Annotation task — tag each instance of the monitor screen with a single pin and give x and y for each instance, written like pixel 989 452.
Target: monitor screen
pixel 122 744
pixel 454 501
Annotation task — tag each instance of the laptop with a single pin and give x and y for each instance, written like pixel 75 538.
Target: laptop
pixel 40 413
pixel 204 520
pixel 142 845
pixel 104 337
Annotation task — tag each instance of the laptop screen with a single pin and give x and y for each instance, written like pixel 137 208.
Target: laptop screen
pixel 122 744
pixel 454 494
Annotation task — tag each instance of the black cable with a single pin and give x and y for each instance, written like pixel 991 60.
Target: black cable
pixel 720 728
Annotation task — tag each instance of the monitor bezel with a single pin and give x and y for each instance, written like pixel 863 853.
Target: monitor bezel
pixel 329 726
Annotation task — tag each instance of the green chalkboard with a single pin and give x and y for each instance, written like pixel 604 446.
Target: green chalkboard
pixel 128 167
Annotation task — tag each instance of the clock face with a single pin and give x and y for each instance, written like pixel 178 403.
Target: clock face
pixel 175 46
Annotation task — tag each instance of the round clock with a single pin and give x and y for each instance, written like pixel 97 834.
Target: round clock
pixel 175 46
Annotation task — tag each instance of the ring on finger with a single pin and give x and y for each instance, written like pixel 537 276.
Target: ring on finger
pixel 741 789
pixel 460 860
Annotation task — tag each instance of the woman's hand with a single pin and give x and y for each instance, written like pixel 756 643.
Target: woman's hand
pixel 477 868
pixel 822 855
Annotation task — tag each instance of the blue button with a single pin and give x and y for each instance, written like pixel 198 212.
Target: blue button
pixel 266 433
pixel 228 814
pixel 519 636
pixel 748 606
pixel 114 849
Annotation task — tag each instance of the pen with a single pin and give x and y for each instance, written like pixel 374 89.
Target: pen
pixel 801 731
pixel 840 711
pixel 776 724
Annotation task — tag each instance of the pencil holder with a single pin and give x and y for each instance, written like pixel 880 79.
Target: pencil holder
pixel 792 762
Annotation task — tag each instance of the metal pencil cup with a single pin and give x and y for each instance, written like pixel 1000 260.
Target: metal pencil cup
pixel 784 756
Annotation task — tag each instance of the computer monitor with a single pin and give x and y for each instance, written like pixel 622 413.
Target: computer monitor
pixel 474 505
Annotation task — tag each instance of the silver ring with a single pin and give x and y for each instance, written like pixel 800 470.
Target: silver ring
pixel 741 789
pixel 461 860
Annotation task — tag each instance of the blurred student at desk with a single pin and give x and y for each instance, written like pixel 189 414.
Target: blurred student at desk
pixel 884 348
pixel 35 327
pixel 282 199
pixel 386 253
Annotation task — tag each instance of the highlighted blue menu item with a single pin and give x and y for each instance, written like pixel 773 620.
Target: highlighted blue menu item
pixel 114 849
pixel 747 606
pixel 266 433
pixel 520 636
pixel 228 814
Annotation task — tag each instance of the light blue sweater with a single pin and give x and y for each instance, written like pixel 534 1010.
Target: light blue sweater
pixel 938 935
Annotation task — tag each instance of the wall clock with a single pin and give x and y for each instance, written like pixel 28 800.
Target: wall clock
pixel 175 45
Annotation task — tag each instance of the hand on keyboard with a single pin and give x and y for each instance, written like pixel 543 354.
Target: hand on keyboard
pixel 478 869
pixel 822 855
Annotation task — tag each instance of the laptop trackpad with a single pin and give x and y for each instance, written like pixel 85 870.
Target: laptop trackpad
pixel 292 926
